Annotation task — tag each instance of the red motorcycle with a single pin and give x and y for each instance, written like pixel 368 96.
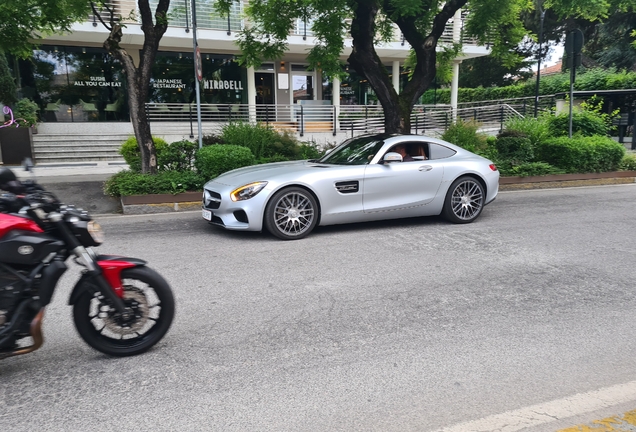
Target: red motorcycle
pixel 121 307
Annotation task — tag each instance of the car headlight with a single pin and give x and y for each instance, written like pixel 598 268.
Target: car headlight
pixel 95 230
pixel 248 191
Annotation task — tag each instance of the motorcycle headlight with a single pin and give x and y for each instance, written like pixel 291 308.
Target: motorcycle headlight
pixel 248 191
pixel 95 230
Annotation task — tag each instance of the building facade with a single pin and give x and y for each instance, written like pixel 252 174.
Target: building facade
pixel 73 79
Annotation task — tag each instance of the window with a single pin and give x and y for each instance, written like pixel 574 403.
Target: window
pixel 180 14
pixel 438 151
pixel 75 84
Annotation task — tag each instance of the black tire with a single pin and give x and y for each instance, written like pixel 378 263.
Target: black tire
pixel 148 294
pixel 291 213
pixel 464 200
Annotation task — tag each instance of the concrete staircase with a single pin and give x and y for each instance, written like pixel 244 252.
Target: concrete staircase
pixel 53 148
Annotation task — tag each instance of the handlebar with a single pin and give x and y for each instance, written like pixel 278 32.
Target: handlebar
pixel 27 193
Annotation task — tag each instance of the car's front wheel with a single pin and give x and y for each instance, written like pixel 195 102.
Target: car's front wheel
pixel 464 200
pixel 291 214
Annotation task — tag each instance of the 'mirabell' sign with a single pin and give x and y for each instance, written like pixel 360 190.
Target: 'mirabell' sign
pixel 222 85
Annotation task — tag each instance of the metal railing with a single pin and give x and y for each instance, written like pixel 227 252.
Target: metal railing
pixel 354 119
pixel 207 18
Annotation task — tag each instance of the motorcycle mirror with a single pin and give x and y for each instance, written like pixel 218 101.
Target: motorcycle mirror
pixel 27 164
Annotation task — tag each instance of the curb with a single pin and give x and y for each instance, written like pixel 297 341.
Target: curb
pixel 161 203
pixel 575 180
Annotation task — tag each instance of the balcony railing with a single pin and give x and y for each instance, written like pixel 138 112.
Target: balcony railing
pixel 180 15
pixel 353 119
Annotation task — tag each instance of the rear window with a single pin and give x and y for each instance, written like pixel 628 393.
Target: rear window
pixel 438 151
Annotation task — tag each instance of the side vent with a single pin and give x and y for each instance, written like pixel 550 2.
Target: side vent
pixel 347 187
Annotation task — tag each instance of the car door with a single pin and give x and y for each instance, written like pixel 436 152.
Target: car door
pixel 401 185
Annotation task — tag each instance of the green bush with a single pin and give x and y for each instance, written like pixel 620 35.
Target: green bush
pixel 265 143
pixel 534 169
pixel 25 112
pixel 628 163
pixel 591 79
pixel 535 129
pixel 211 139
pixel 309 150
pixel 581 154
pixel 254 137
pixel 517 149
pixel 132 155
pixel 465 135
pixel 584 123
pixel 211 161
pixel 128 182
pixel 177 156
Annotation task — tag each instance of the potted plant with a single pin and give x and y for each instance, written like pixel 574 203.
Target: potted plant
pixel 16 134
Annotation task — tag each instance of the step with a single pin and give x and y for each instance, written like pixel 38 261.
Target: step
pixel 67 158
pixel 63 137
pixel 77 152
pixel 76 147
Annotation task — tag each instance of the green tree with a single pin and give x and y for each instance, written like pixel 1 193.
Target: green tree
pixel 610 42
pixel 137 76
pixel 605 24
pixel 8 93
pixel 24 23
pixel 421 22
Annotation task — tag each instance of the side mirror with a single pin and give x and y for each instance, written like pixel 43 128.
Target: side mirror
pixel 27 164
pixel 392 157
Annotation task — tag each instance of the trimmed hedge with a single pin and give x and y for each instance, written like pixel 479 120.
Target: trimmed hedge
pixel 212 161
pixel 517 150
pixel 628 163
pixel 128 182
pixel 581 154
pixel 591 79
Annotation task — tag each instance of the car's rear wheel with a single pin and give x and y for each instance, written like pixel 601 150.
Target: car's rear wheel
pixel 464 200
pixel 291 214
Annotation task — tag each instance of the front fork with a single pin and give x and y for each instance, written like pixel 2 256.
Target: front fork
pixel 104 271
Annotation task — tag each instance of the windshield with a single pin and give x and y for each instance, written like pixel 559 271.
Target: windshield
pixel 355 151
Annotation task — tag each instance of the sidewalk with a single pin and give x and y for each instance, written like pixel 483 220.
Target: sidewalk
pixel 80 184
pixel 70 172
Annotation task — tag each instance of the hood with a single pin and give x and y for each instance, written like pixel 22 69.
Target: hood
pixel 264 172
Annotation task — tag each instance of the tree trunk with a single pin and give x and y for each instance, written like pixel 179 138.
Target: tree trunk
pixel 138 78
pixel 364 59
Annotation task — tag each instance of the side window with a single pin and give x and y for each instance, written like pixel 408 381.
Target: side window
pixel 439 151
pixel 415 150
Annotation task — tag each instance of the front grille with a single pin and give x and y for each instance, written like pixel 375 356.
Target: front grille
pixel 212 200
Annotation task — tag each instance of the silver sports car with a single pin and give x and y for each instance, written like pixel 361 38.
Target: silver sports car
pixel 365 178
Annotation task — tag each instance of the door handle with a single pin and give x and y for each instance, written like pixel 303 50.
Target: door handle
pixel 425 168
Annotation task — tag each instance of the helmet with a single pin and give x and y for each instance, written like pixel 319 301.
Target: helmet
pixel 8 181
pixel 6 175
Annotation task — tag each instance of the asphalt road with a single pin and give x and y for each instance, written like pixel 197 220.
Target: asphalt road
pixel 410 325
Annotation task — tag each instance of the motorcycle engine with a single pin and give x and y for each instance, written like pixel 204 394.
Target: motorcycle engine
pixel 10 292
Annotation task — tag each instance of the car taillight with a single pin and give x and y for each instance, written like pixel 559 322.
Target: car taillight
pixel 493 167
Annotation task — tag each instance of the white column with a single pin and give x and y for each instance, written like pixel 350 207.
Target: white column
pixel 457 26
pixel 251 94
pixel 396 76
pixel 455 88
pixel 335 99
pixel 457 32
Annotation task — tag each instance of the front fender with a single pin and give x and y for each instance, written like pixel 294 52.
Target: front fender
pixel 111 267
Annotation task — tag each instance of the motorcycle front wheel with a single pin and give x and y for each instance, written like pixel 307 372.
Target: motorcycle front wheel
pixel 147 297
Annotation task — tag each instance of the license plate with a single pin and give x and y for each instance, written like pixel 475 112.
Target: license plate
pixel 207 214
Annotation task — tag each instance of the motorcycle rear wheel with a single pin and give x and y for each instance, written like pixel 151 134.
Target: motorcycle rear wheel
pixel 150 298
